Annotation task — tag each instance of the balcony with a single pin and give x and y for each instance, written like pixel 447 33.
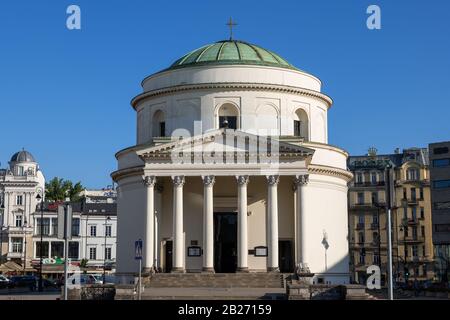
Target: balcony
pixel 360 226
pixel 413 221
pixel 413 239
pixel 374 226
pixel 368 184
pixel 14 255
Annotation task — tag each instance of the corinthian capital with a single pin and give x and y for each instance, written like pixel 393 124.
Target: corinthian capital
pixel 301 180
pixel 149 181
pixel 208 180
pixel 242 180
pixel 273 180
pixel 178 180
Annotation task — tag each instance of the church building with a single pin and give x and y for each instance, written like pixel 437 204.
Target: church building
pixel 232 170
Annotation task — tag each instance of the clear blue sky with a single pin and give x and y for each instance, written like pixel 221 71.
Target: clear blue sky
pixel 64 95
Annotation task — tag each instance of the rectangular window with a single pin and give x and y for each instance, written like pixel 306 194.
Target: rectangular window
pixel 162 129
pixel 73 250
pixel 18 220
pixel 361 219
pixel 44 226
pixel 424 251
pixel 45 248
pixel 414 233
pixel 442 205
pixel 359 177
pixel 405 196
pixel 57 249
pixel 412 174
pixel 19 200
pixel 228 122
pixel 376 258
pixel 442 227
pixel 421 193
pixel 297 131
pixel 93 253
pixel 76 227
pixel 93 231
pixel 422 229
pixel 414 213
pixel 108 231
pixel 415 251
pixel 362 256
pixel 406 250
pixel 54 227
pixel 108 253
pixel 406 232
pixel 17 245
pixel 405 213
pixel 374 197
pixel 373 177
pixel 413 194
pixel 441 163
pixel 441 150
pixel 422 212
pixel 360 197
pixel 375 218
pixel 441 184
pixel 21 171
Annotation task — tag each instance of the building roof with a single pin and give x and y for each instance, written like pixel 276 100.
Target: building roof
pixel 22 156
pixel 233 52
pixel 419 155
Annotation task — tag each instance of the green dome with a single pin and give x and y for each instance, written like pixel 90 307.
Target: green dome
pixel 231 52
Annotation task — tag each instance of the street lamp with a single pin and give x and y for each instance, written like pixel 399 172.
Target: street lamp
pixel 2 207
pixel 107 218
pixel 41 200
pixel 24 229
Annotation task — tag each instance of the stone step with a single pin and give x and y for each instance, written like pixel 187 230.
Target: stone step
pixel 239 280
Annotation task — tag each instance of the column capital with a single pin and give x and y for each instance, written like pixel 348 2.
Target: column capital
pixel 149 181
pixel 209 180
pixel 242 180
pixel 178 180
pixel 301 180
pixel 273 180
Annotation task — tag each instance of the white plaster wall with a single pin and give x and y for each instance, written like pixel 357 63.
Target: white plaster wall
pixel 263 113
pixel 231 73
pixel 326 206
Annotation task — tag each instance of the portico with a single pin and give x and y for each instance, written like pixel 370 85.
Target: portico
pixel 289 162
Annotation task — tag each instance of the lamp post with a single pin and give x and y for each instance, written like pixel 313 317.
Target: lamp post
pixel 41 200
pixel 24 229
pixel 107 218
pixel 2 210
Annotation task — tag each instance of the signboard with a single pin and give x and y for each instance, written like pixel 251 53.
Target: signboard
pixel 261 251
pixel 138 250
pixel 65 222
pixel 194 251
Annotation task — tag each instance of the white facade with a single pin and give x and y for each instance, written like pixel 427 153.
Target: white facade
pixel 19 186
pixel 214 200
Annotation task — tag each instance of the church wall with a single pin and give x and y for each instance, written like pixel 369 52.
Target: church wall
pixel 237 73
pixel 263 113
pixel 326 205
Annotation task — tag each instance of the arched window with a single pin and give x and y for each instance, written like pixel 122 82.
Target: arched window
pixel 159 124
pixel 301 124
pixel 228 116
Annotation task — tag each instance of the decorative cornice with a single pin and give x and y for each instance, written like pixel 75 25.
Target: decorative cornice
pixel 233 86
pixel 128 172
pixel 330 171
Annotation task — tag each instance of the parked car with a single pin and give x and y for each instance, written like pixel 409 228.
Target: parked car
pixel 24 281
pixel 4 282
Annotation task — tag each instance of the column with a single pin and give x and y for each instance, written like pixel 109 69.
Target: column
pixel 208 224
pixel 242 224
pixel 300 183
pixel 149 183
pixel 272 223
pixel 178 241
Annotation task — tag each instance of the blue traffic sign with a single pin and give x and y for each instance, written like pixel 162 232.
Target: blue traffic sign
pixel 138 249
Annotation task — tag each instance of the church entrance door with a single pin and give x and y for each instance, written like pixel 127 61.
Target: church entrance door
pixel 285 254
pixel 168 256
pixel 225 242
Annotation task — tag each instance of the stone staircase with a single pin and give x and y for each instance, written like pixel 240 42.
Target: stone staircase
pixel 216 280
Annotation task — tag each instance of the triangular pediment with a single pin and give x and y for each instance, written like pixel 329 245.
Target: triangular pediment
pixel 228 142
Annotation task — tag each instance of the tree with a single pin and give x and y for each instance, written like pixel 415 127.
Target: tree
pixel 58 189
